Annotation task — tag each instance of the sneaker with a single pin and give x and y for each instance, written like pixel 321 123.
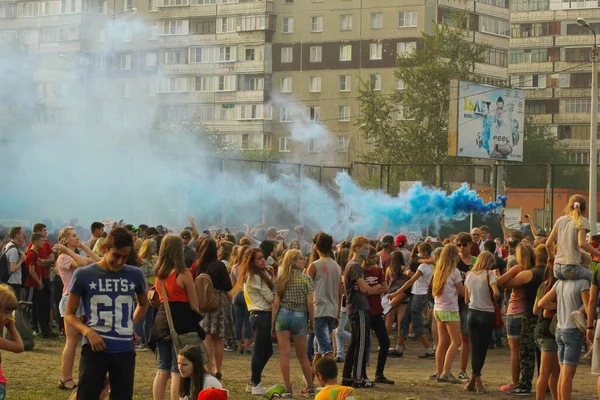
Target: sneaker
pixel 519 392
pixel 142 348
pixel 275 391
pixel 248 388
pixel 339 360
pixel 427 355
pixel 578 319
pixel 463 376
pixel 507 388
pixel 308 393
pixel 384 380
pixel 288 394
pixel 395 353
pixel 258 390
pixel 433 377
pixel 449 378
pixel 229 348
pixel 365 384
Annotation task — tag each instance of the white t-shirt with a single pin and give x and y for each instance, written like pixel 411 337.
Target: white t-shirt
pixel 13 255
pixel 209 382
pixel 568 299
pixel 421 285
pixel 479 291
pixel 567 245
pixel 448 300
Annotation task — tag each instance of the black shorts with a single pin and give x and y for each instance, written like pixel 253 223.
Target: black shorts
pixel 93 367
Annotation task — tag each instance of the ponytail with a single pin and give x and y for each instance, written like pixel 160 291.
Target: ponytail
pixel 575 208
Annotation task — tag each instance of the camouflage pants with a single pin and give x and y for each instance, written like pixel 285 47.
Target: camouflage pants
pixel 527 350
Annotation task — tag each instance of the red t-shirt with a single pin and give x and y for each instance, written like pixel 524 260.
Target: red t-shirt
pixel 44 253
pixel 32 258
pixel 373 277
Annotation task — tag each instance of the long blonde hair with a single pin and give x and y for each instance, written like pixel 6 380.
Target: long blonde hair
pixel 575 210
pixel 444 268
pixel 170 256
pixel 485 261
pixel 148 247
pixel 525 256
pixel 287 271
pixel 64 235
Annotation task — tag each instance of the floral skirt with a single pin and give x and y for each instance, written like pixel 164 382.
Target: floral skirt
pixel 220 321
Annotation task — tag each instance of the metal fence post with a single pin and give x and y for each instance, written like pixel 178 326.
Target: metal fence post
pixel 438 176
pixel 263 209
pixel 389 175
pixel 381 177
pixel 550 199
pixel 300 194
pixel 493 179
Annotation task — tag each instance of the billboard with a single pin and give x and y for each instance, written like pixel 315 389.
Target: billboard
pixel 486 121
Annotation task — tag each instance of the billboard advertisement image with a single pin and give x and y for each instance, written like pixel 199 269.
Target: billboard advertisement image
pixel 486 121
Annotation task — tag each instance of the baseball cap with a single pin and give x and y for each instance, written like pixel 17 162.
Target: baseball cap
pixel 400 239
pixel 387 239
pixel 213 394
pixel 185 234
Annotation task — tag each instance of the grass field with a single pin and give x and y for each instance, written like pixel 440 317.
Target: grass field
pixel 33 376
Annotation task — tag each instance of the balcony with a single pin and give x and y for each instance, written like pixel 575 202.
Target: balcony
pixel 252 126
pixel 541 119
pixel 458 4
pixel 167 41
pixel 188 69
pixel 491 39
pixel 60 47
pixel 572 118
pixel 572 92
pixel 576 144
pixel 573 66
pixel 241 37
pixel 573 5
pixel 252 96
pixel 43 21
pixel 187 11
pixel 531 94
pixel 530 67
pixel 573 14
pixel 491 70
pixel 494 11
pixel 532 42
pixel 256 7
pixel 531 16
pixel 253 66
pixel 186 97
pixel 575 40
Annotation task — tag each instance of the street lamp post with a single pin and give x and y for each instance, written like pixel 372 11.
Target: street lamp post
pixel 593 133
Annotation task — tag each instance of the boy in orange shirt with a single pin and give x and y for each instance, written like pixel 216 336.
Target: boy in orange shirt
pixel 326 372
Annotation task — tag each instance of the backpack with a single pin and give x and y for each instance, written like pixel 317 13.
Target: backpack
pixel 4 263
pixel 208 296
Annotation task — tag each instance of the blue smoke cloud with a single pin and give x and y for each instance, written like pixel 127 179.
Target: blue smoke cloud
pixel 373 211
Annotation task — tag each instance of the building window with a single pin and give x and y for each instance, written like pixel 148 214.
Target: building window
pixel 497 3
pixel 100 63
pixel 174 57
pixel 314 84
pixel 203 27
pixel 346 52
pixel 173 27
pixel 152 6
pixel 496 57
pixel 345 83
pixel 529 5
pixel 226 25
pixel 175 3
pixel 284 145
pixel 577 106
pixel 343 113
pixel 377 20
pixel 127 5
pixel 150 60
pixel 400 113
pixel 405 48
pixel 125 62
pixel 284 115
pixel 346 22
pixel 528 56
pixel 287 1
pixel 226 83
pixel 316 24
pixel 316 54
pixel 399 84
pixel 286 55
pixel 287 25
pixel 494 26
pixel 314 113
pixel 101 35
pixel 286 85
pixel 127 36
pixel 102 7
pixel 407 19
pixel 312 145
pixel 535 107
pixel 375 50
pixel 343 142
pixel 375 81
pixel 249 55
pixel 153 33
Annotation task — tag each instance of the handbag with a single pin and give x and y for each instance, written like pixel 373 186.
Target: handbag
pixel 186 339
pixel 498 322
pixel 153 297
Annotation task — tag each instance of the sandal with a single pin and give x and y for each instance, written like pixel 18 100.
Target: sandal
pixel 62 385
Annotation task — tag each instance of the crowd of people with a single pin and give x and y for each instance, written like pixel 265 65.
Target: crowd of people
pixel 191 296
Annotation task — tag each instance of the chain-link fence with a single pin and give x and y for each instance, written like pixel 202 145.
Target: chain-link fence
pixel 538 191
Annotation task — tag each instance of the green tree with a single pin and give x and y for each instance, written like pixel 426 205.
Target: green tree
pixel 421 136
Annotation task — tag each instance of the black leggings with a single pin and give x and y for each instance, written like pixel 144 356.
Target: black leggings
pixel 378 327
pixel 480 325
pixel 263 346
pixel 356 356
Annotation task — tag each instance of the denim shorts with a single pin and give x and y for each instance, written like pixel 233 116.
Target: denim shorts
pixel 570 342
pixel 296 322
pixel 166 357
pixel 2 391
pixel 513 326
pixel 547 345
pixel 62 307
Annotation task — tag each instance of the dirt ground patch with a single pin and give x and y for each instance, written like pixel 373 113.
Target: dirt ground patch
pixel 34 375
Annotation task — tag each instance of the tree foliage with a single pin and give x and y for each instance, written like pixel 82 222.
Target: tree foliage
pixel 422 136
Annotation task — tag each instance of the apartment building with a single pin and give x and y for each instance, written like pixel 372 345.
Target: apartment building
pixel 323 49
pixel 550 57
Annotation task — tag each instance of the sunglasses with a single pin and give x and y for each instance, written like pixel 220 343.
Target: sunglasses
pixel 459 245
